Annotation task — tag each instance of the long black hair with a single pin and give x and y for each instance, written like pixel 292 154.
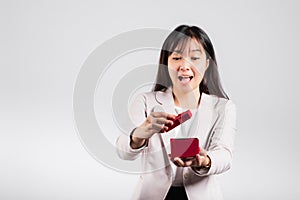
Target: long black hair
pixel 211 83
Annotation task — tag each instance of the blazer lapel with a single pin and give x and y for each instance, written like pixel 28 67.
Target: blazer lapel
pixel 165 99
pixel 206 116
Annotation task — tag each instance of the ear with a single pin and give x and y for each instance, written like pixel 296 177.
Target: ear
pixel 207 63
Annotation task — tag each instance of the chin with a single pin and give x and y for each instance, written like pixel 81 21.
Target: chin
pixel 185 88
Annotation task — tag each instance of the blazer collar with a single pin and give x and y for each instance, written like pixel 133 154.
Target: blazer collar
pixel 166 99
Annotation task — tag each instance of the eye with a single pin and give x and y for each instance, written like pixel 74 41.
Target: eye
pixel 176 58
pixel 195 58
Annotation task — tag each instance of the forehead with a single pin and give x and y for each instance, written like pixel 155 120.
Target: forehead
pixel 189 45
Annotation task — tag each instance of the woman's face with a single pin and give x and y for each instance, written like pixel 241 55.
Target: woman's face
pixel 187 67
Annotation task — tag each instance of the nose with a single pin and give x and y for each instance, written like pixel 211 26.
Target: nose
pixel 184 66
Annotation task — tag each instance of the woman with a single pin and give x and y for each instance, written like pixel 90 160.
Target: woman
pixel 187 78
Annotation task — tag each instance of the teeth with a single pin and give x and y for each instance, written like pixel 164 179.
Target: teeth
pixel 182 77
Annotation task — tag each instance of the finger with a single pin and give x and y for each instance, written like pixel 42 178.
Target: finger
pixel 159 114
pixel 172 159
pixel 175 163
pixel 169 122
pixel 198 160
pixel 189 163
pixel 157 127
pixel 162 120
pixel 152 119
pixel 163 114
pixel 164 129
pixel 203 153
pixel 159 124
pixel 179 161
pixel 171 116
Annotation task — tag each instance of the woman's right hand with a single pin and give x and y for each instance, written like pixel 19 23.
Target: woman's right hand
pixel 156 122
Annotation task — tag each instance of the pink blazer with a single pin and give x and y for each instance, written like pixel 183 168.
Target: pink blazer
pixel 215 127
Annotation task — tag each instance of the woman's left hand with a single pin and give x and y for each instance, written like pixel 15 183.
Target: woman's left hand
pixel 200 160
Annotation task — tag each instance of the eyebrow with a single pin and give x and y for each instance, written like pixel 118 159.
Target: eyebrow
pixel 197 50
pixel 177 51
pixel 194 50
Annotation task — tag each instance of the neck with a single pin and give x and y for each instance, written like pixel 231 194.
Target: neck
pixel 188 100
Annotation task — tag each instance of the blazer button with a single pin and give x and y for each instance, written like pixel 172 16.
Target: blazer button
pixel 186 175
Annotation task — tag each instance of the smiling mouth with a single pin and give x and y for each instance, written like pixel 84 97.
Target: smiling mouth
pixel 185 77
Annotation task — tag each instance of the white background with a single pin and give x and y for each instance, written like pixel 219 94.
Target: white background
pixel 43 45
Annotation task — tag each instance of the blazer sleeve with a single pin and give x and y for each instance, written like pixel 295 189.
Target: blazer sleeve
pixel 137 115
pixel 221 145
